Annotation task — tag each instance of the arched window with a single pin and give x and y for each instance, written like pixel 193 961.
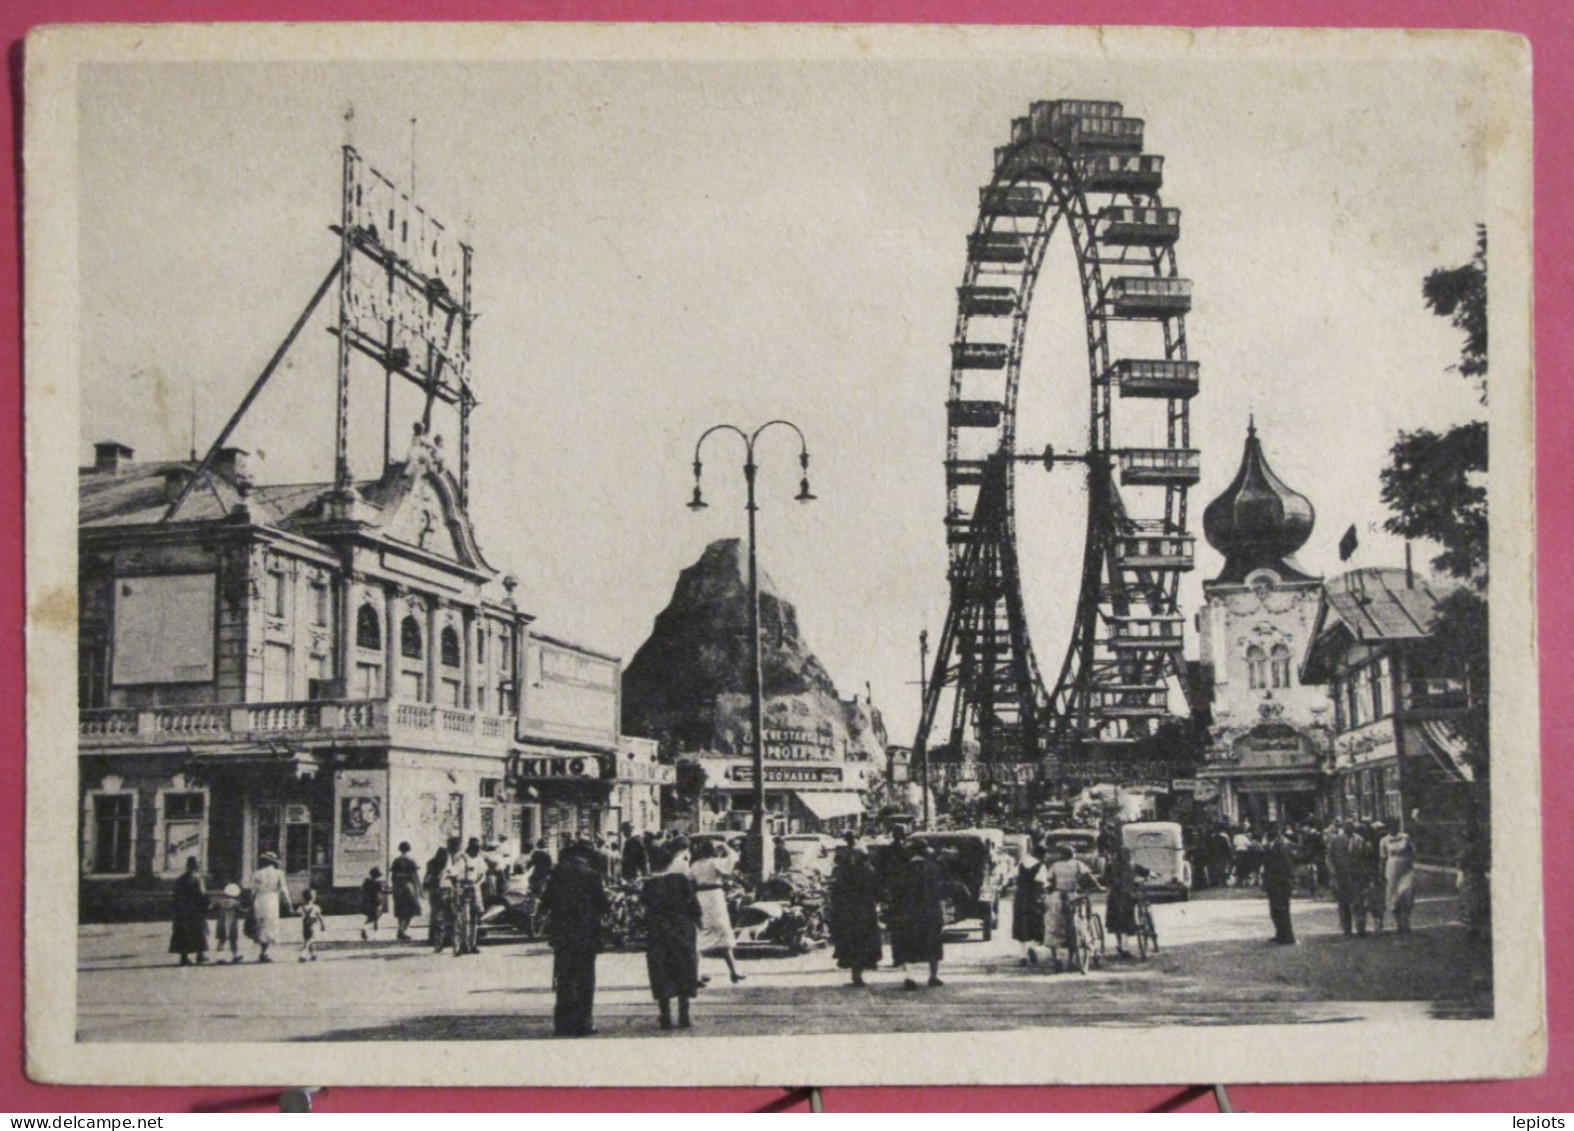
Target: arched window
pixel 368 629
pixel 410 638
pixel 1256 668
pixel 450 647
pixel 1280 661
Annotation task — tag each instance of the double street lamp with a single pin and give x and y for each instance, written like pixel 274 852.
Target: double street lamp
pixel 760 862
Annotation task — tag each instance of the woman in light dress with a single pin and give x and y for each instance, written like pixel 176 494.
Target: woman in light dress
pixel 270 899
pixel 1063 881
pixel 711 868
pixel 1399 860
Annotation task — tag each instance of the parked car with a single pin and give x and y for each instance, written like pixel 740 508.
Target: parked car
pixel 1160 847
pixel 812 852
pixel 974 861
pixel 1084 845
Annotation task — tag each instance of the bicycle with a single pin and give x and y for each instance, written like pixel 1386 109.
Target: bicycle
pixel 467 920
pixel 1147 934
pixel 1086 936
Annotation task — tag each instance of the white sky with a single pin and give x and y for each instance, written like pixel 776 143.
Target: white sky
pixel 661 247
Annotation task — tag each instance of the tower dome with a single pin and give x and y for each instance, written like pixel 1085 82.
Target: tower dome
pixel 1258 522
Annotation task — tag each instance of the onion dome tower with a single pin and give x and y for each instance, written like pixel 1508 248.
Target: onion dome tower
pixel 1258 522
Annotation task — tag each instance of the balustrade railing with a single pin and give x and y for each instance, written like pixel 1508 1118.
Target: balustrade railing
pixel 107 723
pixel 222 720
pixel 285 716
pixel 191 720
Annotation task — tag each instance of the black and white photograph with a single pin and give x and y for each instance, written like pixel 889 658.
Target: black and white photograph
pixel 720 555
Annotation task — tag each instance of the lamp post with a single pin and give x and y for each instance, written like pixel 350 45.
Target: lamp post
pixel 760 861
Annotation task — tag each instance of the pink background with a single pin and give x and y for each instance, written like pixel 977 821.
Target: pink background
pixel 1549 24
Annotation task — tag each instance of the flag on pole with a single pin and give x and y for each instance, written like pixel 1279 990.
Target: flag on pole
pixel 1347 544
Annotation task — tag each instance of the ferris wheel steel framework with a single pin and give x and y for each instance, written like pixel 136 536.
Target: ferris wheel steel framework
pixel 1082 164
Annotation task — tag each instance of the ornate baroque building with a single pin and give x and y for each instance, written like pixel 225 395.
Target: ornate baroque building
pixel 320 675
pixel 1269 744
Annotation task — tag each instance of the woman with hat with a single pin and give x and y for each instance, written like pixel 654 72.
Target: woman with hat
pixel 270 899
pixel 672 918
pixel 189 915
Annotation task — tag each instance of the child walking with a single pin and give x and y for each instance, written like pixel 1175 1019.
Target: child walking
pixel 374 902
pixel 312 925
pixel 226 923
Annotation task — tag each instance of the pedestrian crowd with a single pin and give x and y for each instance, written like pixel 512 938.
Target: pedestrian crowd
pixel 1366 866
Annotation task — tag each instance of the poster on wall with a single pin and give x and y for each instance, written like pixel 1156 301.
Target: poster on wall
pixel 360 824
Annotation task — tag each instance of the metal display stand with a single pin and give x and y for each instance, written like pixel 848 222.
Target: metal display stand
pixel 1221 1096
pixel 299 1100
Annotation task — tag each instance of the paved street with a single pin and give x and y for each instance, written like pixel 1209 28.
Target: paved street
pixel 1216 966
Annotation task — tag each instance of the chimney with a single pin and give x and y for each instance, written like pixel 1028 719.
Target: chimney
pixel 234 464
pixel 111 456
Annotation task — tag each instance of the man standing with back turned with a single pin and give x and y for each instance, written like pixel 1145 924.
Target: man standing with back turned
pixel 577 899
pixel 1278 881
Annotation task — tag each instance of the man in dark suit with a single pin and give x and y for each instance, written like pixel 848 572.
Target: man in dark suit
pixel 1278 881
pixel 576 899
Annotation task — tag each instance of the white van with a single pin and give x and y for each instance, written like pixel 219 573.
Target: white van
pixel 1159 846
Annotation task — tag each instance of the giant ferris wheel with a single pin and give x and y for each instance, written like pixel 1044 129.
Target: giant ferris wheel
pixel 1076 167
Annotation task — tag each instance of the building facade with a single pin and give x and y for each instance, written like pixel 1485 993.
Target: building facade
pixel 1399 753
pixel 316 673
pixel 1269 742
pixel 816 780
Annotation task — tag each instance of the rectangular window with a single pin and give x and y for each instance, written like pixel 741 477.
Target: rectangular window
pixel 1378 672
pixel 275 673
pixel 269 828
pixel 412 686
pixel 185 828
pixel 112 828
pixel 369 681
pixel 278 594
pixel 92 684
pixel 452 693
pixel 321 605
pixel 1390 793
pixel 490 788
pixel 1336 692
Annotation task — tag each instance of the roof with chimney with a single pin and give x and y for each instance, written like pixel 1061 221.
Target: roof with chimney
pixel 416 502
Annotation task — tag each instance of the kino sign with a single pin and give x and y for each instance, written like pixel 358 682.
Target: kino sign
pixel 573 766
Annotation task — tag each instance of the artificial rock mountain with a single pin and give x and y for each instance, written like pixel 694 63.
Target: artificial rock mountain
pixel 688 685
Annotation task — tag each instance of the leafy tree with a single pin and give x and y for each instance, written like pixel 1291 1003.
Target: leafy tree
pixel 1435 484
pixel 1460 295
